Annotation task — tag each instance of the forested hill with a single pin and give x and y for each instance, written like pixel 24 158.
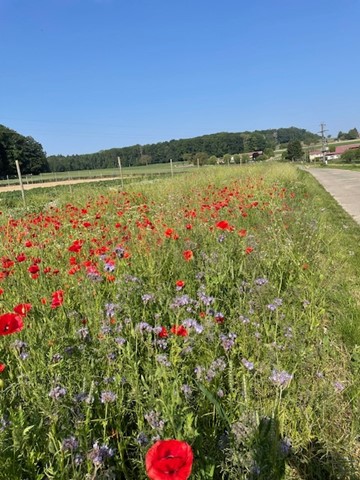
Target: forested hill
pixel 218 144
pixel 28 152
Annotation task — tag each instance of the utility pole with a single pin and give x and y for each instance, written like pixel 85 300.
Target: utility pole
pixel 324 147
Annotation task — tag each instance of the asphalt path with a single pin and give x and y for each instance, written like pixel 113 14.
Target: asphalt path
pixel 343 185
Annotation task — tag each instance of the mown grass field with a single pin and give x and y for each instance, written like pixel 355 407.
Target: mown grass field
pixel 161 169
pixel 221 309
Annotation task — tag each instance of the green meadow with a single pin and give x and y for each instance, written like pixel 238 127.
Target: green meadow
pixel 221 308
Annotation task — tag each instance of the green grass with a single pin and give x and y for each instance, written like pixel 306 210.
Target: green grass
pixel 149 170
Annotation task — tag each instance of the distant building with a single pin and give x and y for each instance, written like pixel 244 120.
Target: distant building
pixel 254 155
pixel 344 148
pixel 318 154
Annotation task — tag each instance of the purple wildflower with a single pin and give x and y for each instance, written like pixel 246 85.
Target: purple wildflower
pixel 69 444
pixel 163 360
pixel 247 364
pixel 57 392
pixel 83 333
pixel 339 387
pixel 186 389
pixel 108 397
pixel 281 379
pixel 227 341
pixel 142 439
pixel 181 301
pixel 99 454
pixel 154 420
pixel 148 297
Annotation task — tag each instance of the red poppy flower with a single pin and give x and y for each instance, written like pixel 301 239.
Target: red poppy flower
pixel 23 308
pixel 2 367
pixel 163 332
pixel 179 330
pixel 33 269
pixel 180 284
pixel 10 323
pixel 248 250
pixel 76 246
pixel 57 299
pixel 224 225
pixel 1 291
pixel 242 233
pixel 169 460
pixel 219 318
pixel 188 255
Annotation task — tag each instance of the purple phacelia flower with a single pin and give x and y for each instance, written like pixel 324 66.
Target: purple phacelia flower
pixel 98 454
pixel 57 392
pixel 108 397
pixel 281 378
pixel 247 364
pixel 154 420
pixel 69 444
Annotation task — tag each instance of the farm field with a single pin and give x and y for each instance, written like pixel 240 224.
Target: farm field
pixel 162 169
pixel 219 309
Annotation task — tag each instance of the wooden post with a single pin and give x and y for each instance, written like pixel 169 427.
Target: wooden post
pixel 121 175
pixel 20 180
pixel 171 167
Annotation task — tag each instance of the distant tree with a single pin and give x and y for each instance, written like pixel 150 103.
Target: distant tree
pixel 352 134
pixel 351 156
pixel 294 151
pixel 201 158
pixel 27 151
pixel 212 160
pixel 188 157
pixel 227 158
pixel 145 160
pixel 236 158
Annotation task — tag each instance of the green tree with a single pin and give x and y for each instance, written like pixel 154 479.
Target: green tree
pixel 212 160
pixel 201 158
pixel 351 156
pixel 27 151
pixel 227 158
pixel 352 134
pixel 294 151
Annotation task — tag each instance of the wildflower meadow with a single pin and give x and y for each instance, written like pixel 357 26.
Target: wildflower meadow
pixel 202 327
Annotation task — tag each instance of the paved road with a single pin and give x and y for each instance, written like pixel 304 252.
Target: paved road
pixel 343 185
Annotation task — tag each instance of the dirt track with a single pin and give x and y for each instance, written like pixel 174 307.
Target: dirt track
pixel 14 188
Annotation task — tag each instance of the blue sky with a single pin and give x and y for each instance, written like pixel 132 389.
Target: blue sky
pixel 85 75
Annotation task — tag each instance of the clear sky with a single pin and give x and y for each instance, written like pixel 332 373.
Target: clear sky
pixel 86 75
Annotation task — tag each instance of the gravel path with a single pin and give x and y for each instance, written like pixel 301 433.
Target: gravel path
pixel 14 188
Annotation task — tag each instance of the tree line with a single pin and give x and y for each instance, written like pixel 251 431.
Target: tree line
pixel 190 149
pixel 29 153
pixel 33 160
